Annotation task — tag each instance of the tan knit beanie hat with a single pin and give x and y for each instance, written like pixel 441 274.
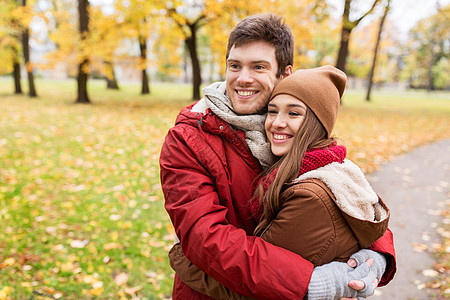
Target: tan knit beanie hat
pixel 320 89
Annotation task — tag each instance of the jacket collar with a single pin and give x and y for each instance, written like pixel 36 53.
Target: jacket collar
pixel 211 123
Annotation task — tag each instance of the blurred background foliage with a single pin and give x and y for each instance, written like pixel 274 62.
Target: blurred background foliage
pixel 185 41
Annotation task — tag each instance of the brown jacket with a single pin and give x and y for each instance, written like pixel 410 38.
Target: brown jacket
pixel 310 223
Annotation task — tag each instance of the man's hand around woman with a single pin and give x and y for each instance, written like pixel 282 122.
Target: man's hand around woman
pixel 356 279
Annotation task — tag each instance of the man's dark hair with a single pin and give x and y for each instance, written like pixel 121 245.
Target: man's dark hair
pixel 267 28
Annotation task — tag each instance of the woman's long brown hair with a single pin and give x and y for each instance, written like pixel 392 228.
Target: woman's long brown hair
pixel 311 134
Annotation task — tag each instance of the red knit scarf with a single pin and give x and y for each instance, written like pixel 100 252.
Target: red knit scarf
pixel 313 159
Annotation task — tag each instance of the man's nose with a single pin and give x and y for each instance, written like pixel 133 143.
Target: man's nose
pixel 245 77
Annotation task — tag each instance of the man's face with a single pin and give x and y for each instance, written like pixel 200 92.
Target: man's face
pixel 251 76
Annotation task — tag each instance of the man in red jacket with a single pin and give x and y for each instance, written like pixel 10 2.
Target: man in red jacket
pixel 209 163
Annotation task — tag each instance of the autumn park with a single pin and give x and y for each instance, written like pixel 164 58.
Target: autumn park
pixel 89 89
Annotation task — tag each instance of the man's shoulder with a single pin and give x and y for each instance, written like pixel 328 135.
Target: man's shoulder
pixel 186 116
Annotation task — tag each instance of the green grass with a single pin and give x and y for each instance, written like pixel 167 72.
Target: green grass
pixel 80 199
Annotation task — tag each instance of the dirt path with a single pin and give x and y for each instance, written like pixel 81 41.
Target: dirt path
pixel 415 186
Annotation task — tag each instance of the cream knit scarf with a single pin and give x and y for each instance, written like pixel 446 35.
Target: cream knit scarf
pixel 216 98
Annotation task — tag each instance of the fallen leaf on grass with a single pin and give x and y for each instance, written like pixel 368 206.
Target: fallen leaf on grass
pixel 121 279
pixel 110 246
pixel 133 290
pixel 8 262
pixel 78 243
pixel 49 290
pixel 4 292
pixel 96 292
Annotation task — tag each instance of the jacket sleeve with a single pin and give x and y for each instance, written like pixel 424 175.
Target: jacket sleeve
pixel 245 264
pixel 385 245
pixel 198 280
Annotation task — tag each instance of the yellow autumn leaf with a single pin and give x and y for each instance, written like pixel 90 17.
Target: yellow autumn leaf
pixel 8 262
pixel 4 292
pixel 97 291
pixel 133 290
pixel 110 246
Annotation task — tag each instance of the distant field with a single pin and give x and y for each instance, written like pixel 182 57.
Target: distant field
pixel 81 207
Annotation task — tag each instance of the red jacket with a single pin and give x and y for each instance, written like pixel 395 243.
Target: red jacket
pixel 208 176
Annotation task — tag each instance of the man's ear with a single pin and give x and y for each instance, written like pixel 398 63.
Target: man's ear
pixel 287 71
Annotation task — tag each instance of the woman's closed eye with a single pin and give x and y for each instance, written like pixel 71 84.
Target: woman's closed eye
pixel 295 114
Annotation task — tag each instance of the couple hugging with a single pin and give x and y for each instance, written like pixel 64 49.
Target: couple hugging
pixel 264 202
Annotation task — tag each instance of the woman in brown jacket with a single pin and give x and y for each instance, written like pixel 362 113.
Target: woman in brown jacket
pixel 312 201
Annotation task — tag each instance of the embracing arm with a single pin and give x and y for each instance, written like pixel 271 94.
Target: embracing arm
pixel 198 280
pixel 292 229
pixel 385 246
pixel 245 264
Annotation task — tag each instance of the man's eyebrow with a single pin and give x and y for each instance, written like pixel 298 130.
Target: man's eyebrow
pixel 261 61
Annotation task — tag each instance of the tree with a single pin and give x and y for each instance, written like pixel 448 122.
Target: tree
pixel 143 50
pixel 436 43
pixel 111 80
pixel 428 52
pixel 82 77
pixel 307 20
pixel 104 38
pixel 375 52
pixel 190 19
pixel 26 54
pixel 347 27
pixel 190 27
pixel 16 75
pixel 10 45
pixel 135 17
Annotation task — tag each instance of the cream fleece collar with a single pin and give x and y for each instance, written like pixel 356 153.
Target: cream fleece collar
pixel 352 191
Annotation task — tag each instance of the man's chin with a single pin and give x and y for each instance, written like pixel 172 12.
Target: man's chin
pixel 249 110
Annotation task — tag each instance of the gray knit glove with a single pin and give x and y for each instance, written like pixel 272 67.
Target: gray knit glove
pixel 377 270
pixel 330 281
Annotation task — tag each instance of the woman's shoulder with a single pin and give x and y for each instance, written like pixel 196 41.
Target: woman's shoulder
pixel 311 186
pixel 311 193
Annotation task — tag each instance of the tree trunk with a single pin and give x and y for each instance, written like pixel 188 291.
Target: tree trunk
pixel 145 86
pixel 347 27
pixel 343 49
pixel 16 75
pixel 82 78
pixel 185 64
pixel 143 47
pixel 191 43
pixel 26 54
pixel 430 83
pixel 111 82
pixel 375 52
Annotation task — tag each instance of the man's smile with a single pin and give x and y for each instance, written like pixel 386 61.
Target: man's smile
pixel 246 93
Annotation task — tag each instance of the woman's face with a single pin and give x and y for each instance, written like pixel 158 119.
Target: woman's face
pixel 285 115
